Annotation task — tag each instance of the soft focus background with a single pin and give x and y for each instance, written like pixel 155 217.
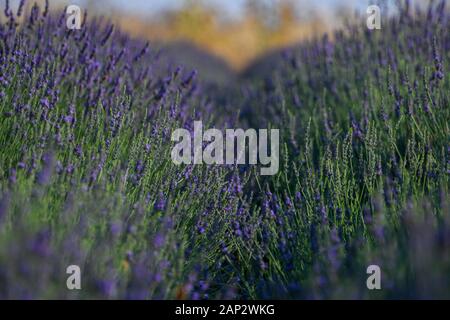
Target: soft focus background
pixel 222 39
pixel 236 31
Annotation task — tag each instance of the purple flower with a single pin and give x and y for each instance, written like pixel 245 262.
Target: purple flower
pixel 78 151
pixel 139 167
pixel 40 244
pixel 70 168
pixel 45 103
pixel 7 10
pixel 189 79
pixel 160 204
pixel 141 53
pixel 106 287
pixel 108 35
pixel 69 119
pixel 115 229
pixel 159 240
pixel 20 8
pixel 43 177
pixel 12 176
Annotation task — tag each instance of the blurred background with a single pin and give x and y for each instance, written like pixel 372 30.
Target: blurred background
pixel 223 38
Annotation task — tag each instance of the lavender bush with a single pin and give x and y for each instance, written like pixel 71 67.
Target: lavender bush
pixel 86 176
pixel 366 162
pixel 86 173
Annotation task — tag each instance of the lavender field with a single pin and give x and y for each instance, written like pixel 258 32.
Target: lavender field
pixel 86 176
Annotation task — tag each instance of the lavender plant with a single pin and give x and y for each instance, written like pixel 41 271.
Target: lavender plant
pixel 366 165
pixel 87 179
pixel 86 174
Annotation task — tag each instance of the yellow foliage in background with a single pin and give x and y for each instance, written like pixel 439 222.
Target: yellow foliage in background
pixel 237 41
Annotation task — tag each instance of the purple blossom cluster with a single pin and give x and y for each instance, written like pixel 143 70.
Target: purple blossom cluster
pixel 86 176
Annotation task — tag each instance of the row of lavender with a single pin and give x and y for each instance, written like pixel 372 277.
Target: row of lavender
pixel 366 168
pixel 86 177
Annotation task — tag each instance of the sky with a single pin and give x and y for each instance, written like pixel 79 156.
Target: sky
pixel 232 8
